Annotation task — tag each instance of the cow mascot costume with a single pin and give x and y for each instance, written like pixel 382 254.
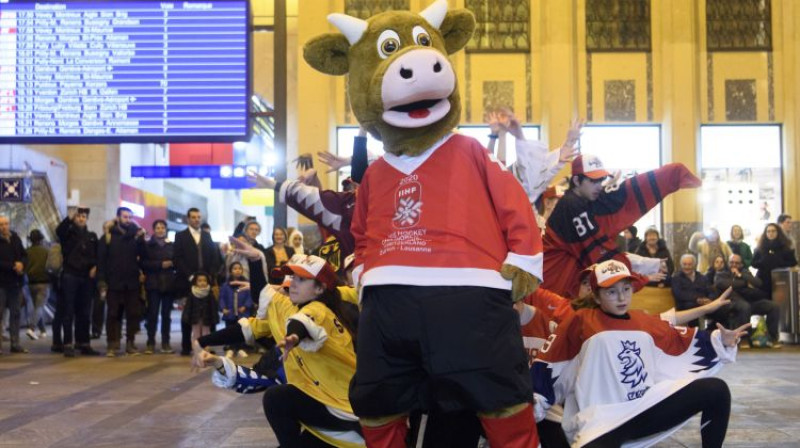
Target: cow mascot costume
pixel 445 236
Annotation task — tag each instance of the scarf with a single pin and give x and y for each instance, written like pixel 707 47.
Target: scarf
pixel 161 241
pixel 201 293
pixel 299 248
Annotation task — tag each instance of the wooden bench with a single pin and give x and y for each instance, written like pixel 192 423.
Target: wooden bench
pixel 653 300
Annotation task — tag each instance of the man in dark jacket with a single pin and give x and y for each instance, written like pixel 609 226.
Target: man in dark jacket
pixel 194 252
pixel 257 269
pixel 159 271
pixel 79 249
pixel 690 288
pixel 12 269
pixel 118 272
pixel 747 292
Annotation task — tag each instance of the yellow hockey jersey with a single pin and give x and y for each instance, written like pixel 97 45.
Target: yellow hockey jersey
pixel 322 364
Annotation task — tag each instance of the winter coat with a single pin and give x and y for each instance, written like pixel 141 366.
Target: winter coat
pixel 11 251
pixel 231 298
pixel 662 252
pixel 151 257
pixel 118 264
pixel 770 257
pixel 79 248
pixel 36 268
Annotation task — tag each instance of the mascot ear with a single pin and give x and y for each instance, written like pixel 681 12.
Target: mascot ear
pixel 328 53
pixel 457 29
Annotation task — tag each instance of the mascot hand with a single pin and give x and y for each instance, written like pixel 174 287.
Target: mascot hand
pixel 522 283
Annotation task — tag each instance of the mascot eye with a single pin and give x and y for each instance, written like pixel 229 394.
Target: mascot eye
pixel 421 37
pixel 389 46
pixel 388 43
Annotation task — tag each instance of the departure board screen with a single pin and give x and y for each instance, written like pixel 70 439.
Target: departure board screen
pixel 96 71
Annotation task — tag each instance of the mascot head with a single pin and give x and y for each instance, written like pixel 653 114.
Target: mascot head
pixel 402 86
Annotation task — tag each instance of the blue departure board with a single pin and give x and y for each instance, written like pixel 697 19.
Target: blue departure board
pixel 96 71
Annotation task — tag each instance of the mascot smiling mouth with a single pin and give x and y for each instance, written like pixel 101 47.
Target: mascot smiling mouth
pixel 418 109
pixel 417 114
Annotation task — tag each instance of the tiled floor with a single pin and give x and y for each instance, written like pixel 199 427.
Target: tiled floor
pixel 155 401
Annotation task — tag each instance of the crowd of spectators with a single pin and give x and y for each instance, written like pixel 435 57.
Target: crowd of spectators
pixel 130 280
pixel 712 265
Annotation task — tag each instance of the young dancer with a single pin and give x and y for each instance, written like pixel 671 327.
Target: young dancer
pixel 316 330
pixel 627 377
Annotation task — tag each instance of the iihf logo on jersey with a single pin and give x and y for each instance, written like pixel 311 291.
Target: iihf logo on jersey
pixel 633 372
pixel 407 203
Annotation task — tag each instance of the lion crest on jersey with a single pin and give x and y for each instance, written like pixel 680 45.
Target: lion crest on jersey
pixel 633 372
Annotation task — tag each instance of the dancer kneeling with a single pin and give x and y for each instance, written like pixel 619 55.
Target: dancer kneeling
pixel 316 330
pixel 627 377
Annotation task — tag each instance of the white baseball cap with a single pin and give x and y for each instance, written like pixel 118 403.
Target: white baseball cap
pixel 590 166
pixel 608 273
pixel 311 266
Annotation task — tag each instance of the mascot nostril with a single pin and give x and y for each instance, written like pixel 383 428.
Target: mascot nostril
pixel 437 67
pixel 406 73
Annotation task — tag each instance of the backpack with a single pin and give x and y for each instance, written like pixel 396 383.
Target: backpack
pixel 760 337
pixel 55 259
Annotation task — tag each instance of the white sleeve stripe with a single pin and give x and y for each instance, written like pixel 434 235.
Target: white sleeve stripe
pixel 644 265
pixel 282 191
pixel 228 380
pixel 316 334
pixel 357 271
pixel 725 354
pixel 247 331
pixel 264 300
pixel 529 263
pixel 669 316
pixel 310 198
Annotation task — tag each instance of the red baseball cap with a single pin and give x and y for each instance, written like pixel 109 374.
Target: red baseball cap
pixel 311 266
pixel 590 166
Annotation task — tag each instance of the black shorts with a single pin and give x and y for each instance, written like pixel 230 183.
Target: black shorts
pixel 438 347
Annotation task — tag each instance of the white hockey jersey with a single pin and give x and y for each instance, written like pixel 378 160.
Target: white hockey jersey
pixel 609 369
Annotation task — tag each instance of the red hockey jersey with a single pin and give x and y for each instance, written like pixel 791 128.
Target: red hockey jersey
pixel 449 217
pixel 550 310
pixel 580 232
pixel 608 369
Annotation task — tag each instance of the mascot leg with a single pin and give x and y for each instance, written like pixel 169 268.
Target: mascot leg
pixel 512 427
pixel 386 432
